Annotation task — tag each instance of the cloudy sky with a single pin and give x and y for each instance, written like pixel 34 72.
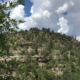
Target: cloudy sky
pixel 61 16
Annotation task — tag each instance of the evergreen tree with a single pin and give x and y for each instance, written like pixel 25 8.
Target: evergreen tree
pixel 51 43
pixel 48 30
pixel 65 56
pixel 36 49
pixel 72 67
pixel 45 53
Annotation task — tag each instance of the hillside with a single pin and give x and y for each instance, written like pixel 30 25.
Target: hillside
pixel 41 55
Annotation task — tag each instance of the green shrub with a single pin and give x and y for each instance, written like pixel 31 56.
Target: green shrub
pixel 72 58
pixel 45 52
pixel 72 52
pixel 50 56
pixel 49 75
pixel 72 67
pixel 65 55
pixel 32 53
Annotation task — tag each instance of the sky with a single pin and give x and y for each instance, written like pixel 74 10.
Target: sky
pixel 62 16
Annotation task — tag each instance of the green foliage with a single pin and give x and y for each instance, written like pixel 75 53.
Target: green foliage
pixel 15 45
pixel 72 52
pixel 26 47
pixel 32 53
pixel 6 25
pixel 48 47
pixel 28 37
pixel 50 56
pixel 50 64
pixel 51 43
pixel 40 74
pixel 78 60
pixel 65 55
pixel 48 74
pixel 72 67
pixel 21 31
pixel 35 29
pixel 4 31
pixel 36 49
pixel 24 36
pixel 14 63
pixel 72 58
pixel 3 65
pixel 45 52
pixel 42 37
pixel 32 38
pixel 30 65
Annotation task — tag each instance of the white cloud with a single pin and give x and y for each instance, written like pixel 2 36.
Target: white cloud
pixel 72 3
pixel 37 15
pixel 46 4
pixel 62 9
pixel 31 11
pixel 18 12
pixel 78 38
pixel 63 24
pixel 43 15
pixel 46 13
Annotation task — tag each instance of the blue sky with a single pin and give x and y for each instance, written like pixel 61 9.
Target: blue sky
pixel 62 16
pixel 27 8
pixel 65 13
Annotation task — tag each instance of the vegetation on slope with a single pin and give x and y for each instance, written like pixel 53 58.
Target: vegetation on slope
pixel 36 54
pixel 52 56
